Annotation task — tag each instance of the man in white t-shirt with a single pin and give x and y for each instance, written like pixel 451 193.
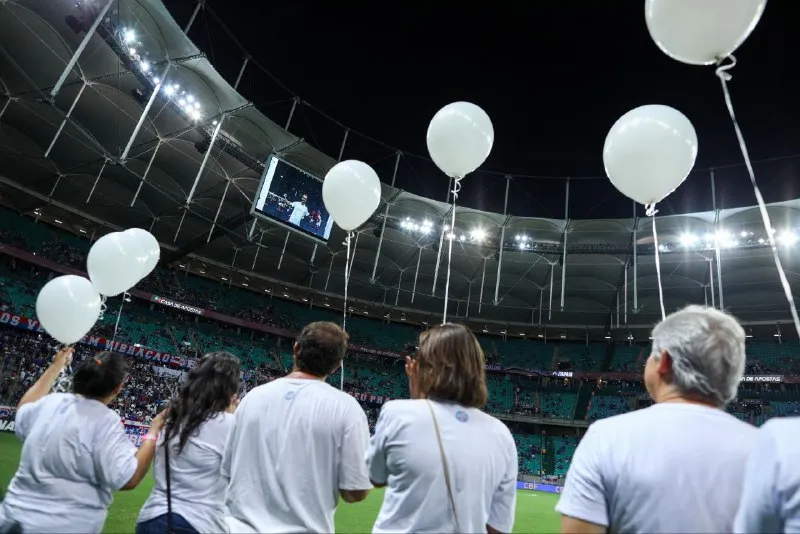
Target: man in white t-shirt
pixel 771 496
pixel 297 445
pixel 299 210
pixel 677 466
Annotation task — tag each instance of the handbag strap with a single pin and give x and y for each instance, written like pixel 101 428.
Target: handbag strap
pixel 444 465
pixel 169 486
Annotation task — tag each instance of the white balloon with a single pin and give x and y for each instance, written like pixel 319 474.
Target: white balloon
pixel 649 152
pixel 150 245
pixel 351 192
pixel 460 138
pixel 116 263
pixel 701 32
pixel 68 307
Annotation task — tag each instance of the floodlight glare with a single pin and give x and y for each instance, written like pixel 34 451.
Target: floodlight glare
pixel 689 240
pixel 787 238
pixel 129 36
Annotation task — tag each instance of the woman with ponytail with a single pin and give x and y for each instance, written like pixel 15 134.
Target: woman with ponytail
pixel 75 452
pixel 189 493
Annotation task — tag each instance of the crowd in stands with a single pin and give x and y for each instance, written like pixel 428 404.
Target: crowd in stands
pixel 265 357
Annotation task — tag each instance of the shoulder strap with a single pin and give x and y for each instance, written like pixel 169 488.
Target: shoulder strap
pixel 444 465
pixel 169 486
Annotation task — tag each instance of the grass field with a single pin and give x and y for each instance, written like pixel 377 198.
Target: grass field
pixel 534 510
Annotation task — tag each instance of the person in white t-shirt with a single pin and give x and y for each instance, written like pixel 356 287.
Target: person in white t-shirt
pixel 298 444
pixel 75 452
pixel 770 501
pixel 299 210
pixel 678 465
pixel 197 425
pixel 447 466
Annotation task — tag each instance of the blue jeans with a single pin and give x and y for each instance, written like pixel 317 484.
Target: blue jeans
pixel 158 525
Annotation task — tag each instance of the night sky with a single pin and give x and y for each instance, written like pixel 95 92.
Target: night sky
pixel 553 76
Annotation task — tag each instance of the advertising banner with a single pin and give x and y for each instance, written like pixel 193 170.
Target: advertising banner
pixel 7 418
pixel 532 486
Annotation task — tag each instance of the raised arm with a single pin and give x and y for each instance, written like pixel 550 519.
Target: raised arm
pixel 45 383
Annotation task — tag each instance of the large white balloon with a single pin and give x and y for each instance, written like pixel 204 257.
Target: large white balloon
pixel 701 32
pixel 351 192
pixel 116 263
pixel 649 152
pixel 150 245
pixel 460 138
pixel 68 307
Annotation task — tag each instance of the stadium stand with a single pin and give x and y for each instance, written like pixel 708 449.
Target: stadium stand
pixel 546 412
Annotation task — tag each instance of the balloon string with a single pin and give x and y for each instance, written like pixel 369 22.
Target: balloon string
pixel 347 267
pixel 119 314
pixel 103 307
pixel 724 77
pixel 451 237
pixel 650 211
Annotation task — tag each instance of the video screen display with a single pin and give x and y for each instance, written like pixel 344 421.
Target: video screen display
pixel 292 198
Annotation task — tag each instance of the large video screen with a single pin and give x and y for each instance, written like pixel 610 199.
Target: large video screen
pixel 292 198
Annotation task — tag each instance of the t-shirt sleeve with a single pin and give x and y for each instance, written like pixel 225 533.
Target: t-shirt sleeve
pixel 759 504
pixel 114 454
pixel 353 474
pixel 504 500
pixel 584 495
pixel 376 452
pixel 26 416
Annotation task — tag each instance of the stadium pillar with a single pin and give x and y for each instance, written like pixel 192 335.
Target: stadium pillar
pixel 483 281
pixel 635 261
pixel 330 267
pixel 214 136
pixel 550 306
pixel 625 291
pixel 64 122
pixel 383 225
pixel 564 254
pixel 313 257
pixel 283 252
pixel 94 185
pixel 541 301
pixel 617 308
pixel 5 106
pixel 502 246
pixel 143 116
pixel 193 17
pixel 78 51
pixel 717 252
pixel 416 274
pixel 295 100
pixel 441 238
pixel 711 282
pixel 258 249
pixel 469 299
pixel 399 283
pixel 180 224
pixel 219 208
pixel 344 142
pixel 241 72
pixel 146 172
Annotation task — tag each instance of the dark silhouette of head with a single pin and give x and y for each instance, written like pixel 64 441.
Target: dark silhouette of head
pixel 101 377
pixel 320 349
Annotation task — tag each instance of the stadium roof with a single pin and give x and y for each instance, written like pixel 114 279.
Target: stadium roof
pixel 99 175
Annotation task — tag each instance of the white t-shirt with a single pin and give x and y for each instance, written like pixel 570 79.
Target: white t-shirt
pixel 671 467
pixel 75 453
pixel 771 497
pixel 299 210
pixel 198 489
pixel 482 463
pixel 295 444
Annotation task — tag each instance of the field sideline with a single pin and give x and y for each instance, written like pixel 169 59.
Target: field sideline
pixel 534 510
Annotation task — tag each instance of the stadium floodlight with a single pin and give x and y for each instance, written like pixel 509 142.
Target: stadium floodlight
pixel 145 66
pixel 128 36
pixel 132 51
pixel 478 234
pixel 787 238
pixel 689 240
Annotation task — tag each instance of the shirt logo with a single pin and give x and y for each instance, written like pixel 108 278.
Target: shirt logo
pixel 462 416
pixel 289 395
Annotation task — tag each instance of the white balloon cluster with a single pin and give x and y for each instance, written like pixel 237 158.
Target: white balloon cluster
pixel 69 306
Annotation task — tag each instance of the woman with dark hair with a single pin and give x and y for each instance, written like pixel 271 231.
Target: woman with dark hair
pixel 189 493
pixel 75 452
pixel 447 465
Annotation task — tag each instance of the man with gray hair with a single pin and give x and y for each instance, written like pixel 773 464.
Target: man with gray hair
pixel 678 465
